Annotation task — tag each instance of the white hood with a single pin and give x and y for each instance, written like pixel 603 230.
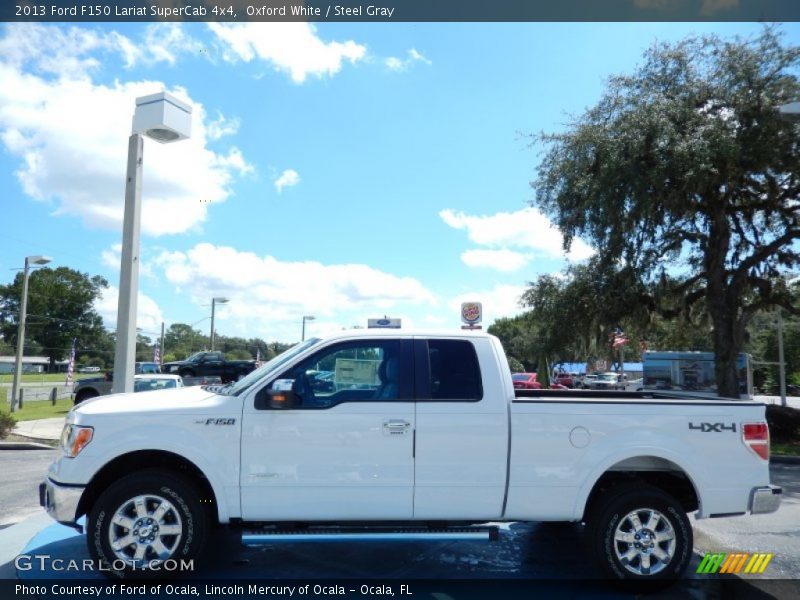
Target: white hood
pixel 192 400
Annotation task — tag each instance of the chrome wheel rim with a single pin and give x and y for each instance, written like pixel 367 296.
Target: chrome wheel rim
pixel 644 541
pixel 145 529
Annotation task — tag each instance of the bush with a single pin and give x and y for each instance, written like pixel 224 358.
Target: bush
pixel 784 423
pixel 7 423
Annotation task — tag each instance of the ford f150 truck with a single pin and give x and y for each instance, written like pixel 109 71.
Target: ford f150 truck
pixel 418 430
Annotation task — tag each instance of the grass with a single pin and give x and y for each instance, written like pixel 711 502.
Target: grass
pixel 791 449
pixel 45 377
pixel 41 409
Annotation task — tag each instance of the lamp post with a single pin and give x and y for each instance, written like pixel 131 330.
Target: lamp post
pixel 214 301
pixel 165 119
pixel 23 309
pixel 306 318
pixel 790 112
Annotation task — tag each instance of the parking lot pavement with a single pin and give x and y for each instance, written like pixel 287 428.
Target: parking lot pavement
pixel 778 533
pixel 551 554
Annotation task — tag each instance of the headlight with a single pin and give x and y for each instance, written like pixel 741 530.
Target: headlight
pixel 75 438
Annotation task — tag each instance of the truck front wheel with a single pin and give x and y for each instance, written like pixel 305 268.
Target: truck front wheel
pixel 148 524
pixel 641 534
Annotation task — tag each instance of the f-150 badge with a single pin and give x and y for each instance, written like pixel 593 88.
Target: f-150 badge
pixel 709 427
pixel 214 421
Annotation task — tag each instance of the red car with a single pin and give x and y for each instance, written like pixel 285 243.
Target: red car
pixel 525 381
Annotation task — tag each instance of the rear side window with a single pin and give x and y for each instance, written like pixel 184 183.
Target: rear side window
pixel 454 371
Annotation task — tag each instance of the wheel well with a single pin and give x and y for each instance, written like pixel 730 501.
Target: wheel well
pixel 650 470
pixel 146 459
pixel 85 394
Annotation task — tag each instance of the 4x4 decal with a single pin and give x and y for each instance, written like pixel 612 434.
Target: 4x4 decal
pixel 717 427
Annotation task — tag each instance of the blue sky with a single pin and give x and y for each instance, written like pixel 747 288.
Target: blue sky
pixel 345 171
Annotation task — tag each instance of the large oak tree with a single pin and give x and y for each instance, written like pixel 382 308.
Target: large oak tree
pixel 684 170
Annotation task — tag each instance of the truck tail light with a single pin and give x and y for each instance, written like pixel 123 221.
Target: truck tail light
pixel 756 437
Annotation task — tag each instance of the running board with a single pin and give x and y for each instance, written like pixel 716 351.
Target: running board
pixel 333 534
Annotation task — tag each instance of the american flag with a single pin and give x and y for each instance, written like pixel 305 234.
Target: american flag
pixel 157 356
pixel 258 357
pixel 71 365
pixel 620 339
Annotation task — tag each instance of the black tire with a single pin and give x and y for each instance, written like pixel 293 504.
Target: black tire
pixel 611 518
pixel 186 373
pixel 184 513
pixel 85 395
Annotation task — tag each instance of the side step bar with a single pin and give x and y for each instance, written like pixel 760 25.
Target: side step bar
pixel 343 534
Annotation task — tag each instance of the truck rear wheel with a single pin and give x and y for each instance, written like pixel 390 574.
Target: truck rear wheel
pixel 148 524
pixel 641 534
pixel 85 395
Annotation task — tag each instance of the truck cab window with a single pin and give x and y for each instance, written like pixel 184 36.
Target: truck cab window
pixel 454 371
pixel 364 371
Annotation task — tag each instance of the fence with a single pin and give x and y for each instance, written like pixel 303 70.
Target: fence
pixel 39 393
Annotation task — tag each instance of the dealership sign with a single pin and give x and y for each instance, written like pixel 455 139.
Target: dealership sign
pixel 385 323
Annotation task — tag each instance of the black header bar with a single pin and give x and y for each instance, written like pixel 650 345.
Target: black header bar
pixel 93 11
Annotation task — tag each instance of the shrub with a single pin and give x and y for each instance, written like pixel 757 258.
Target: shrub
pixel 784 423
pixel 7 423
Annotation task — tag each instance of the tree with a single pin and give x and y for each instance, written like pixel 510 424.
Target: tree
pixel 60 309
pixel 685 173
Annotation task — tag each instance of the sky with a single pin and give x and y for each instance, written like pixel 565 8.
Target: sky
pixel 346 171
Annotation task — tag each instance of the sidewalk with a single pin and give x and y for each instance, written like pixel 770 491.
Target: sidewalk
pixel 40 430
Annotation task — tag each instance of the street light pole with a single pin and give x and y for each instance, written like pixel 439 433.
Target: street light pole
pixel 163 118
pixel 306 318
pixel 23 309
pixel 213 302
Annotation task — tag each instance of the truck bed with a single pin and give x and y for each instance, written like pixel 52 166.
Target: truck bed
pixel 600 396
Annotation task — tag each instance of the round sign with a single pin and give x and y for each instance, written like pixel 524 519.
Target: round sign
pixel 471 312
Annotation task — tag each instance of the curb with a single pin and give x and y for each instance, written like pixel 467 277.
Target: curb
pixel 24 446
pixel 785 460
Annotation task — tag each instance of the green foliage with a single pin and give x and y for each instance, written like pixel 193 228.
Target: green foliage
pixel 687 163
pixel 784 423
pixel 7 423
pixel 543 372
pixel 515 365
pixel 60 309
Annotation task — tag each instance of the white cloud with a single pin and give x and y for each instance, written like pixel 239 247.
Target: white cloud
pixel 293 48
pixel 112 257
pixel 148 313
pixel 288 178
pixel 501 260
pixel 222 126
pixel 526 229
pixel 399 64
pixel 269 296
pixel 70 136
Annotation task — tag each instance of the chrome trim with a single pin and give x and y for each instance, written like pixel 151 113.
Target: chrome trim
pixel 61 501
pixel 765 499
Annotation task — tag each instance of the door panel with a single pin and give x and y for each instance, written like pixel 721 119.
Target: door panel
pixel 461 442
pixel 347 452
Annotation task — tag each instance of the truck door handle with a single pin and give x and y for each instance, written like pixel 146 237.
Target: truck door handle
pixel 396 427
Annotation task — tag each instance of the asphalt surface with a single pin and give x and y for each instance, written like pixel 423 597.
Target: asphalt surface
pixel 778 532
pixel 21 471
pixel 525 551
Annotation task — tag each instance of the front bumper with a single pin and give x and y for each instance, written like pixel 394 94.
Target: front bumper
pixel 60 501
pixel 765 499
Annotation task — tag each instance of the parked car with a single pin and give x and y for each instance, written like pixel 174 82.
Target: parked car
pixel 586 381
pixel 606 381
pixel 566 379
pixel 634 385
pixel 525 381
pixel 558 386
pixel 146 367
pixel 101 386
pixel 88 369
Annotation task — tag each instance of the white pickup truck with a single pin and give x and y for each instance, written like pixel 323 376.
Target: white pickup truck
pixel 420 430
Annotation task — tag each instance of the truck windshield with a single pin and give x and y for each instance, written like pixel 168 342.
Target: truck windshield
pixel 234 389
pixel 195 357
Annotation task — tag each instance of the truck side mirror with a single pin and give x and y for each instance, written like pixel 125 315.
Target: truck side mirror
pixel 283 399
